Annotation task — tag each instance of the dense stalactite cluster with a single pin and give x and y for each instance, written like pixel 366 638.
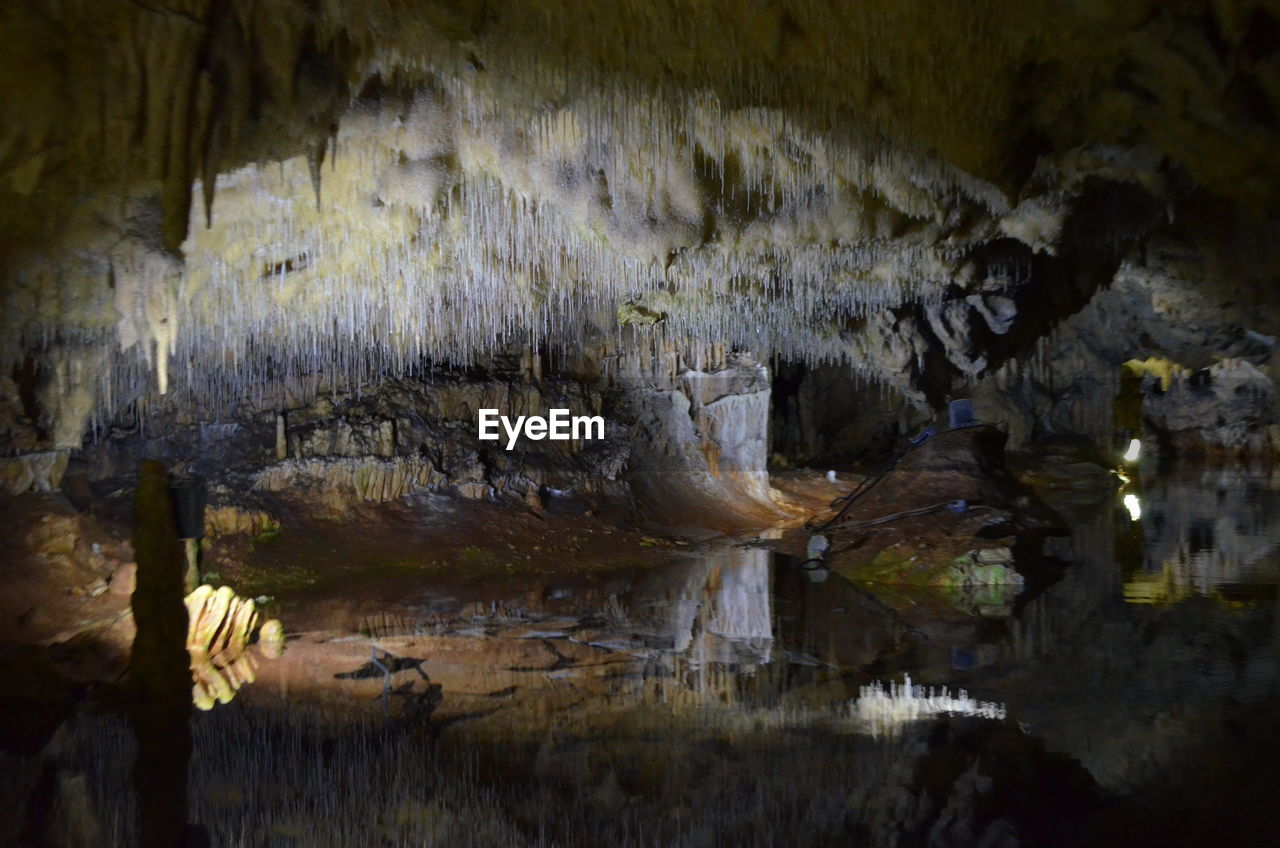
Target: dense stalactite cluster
pixel 379 185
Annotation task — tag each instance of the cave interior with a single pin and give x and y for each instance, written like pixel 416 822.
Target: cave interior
pixel 674 422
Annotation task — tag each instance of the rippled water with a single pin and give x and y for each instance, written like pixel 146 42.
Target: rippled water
pixel 712 701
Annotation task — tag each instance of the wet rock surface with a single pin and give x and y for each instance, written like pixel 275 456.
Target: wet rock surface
pixel 942 521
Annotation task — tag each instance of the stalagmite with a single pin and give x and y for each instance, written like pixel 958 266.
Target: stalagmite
pixel 282 444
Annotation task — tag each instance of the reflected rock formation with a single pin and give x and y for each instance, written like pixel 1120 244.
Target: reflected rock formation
pixel 220 627
pixel 883 710
pixel 716 611
pixel 736 626
pixel 1206 533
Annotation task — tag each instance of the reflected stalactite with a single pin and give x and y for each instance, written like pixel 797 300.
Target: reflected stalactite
pixel 221 626
pixel 882 709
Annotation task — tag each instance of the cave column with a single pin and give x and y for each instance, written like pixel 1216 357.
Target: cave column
pixel 700 440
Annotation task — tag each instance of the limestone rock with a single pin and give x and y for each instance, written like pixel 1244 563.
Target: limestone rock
pixel 701 445
pixel 54 535
pixel 903 539
pixel 227 520
pixel 33 472
pixel 271 638
pixel 1226 409
pixel 341 483
pixel 124 579
pixel 218 620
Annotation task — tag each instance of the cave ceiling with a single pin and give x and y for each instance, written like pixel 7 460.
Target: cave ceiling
pixel 212 193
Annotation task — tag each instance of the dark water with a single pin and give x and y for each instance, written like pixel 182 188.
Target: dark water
pixel 711 701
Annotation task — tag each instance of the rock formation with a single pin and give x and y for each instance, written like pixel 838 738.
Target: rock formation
pixel 294 248
pixel 211 204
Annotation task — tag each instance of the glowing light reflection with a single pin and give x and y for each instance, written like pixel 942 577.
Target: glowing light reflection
pixel 1132 504
pixel 1135 448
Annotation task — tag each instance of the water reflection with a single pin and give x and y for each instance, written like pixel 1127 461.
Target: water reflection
pixel 1206 532
pixel 712 700
pixel 712 609
pixel 220 625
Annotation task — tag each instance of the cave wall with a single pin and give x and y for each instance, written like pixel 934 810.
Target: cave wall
pixel 686 438
pixel 832 415
pixel 1186 307
pixel 395 437
pixel 1192 314
pixel 222 201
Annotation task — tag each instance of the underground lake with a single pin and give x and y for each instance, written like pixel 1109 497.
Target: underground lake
pixel 674 424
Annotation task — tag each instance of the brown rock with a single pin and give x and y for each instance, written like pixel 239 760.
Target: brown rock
pixel 230 520
pixel 54 535
pixel 32 472
pixel 124 578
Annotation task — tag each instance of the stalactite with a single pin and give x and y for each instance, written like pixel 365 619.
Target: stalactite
pixel 315 158
pixel 745 202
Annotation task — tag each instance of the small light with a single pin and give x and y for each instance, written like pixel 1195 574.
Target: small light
pixel 818 545
pixel 1135 508
pixel 1135 448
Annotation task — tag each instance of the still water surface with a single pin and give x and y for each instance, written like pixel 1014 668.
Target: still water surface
pixel 712 700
